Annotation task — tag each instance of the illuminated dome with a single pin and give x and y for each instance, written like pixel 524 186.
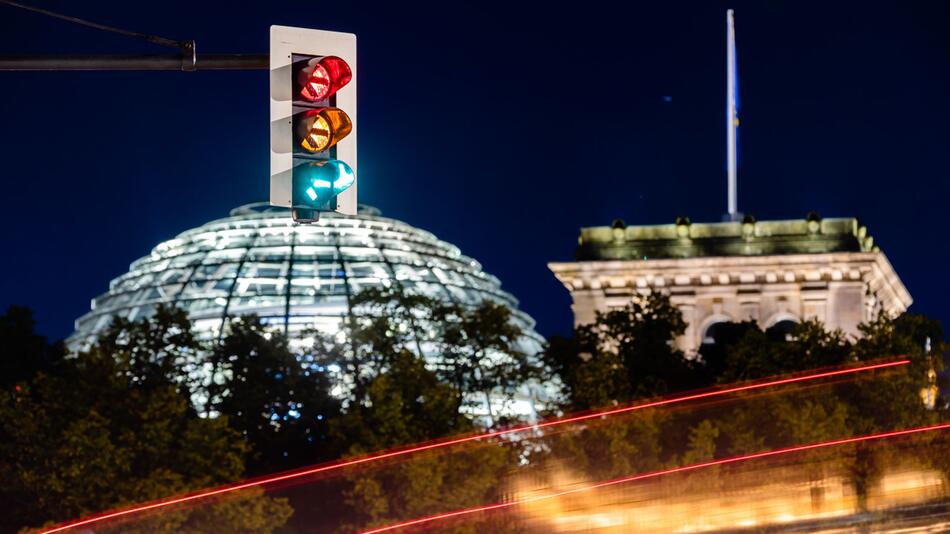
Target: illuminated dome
pixel 295 277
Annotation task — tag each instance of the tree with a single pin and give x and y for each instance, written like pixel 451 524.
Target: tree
pixel 897 401
pixel 280 402
pixel 743 351
pixel 384 324
pixel 701 447
pixel 113 426
pixel 396 396
pixel 480 352
pixel 156 351
pixel 408 404
pixel 611 448
pixel 701 443
pixel 624 354
pixel 23 352
pixel 477 350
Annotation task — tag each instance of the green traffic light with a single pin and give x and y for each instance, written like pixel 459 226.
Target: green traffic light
pixel 317 184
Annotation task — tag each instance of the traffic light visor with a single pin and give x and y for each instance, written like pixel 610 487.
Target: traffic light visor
pixel 323 77
pixel 323 128
pixel 315 184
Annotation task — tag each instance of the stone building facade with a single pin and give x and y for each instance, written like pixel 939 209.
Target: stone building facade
pixel 773 272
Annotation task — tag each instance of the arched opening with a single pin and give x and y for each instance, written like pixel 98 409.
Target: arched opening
pixel 782 330
pixel 712 332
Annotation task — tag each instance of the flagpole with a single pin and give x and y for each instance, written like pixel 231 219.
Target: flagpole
pixel 732 119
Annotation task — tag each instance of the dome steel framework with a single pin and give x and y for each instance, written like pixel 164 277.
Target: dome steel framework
pixel 295 277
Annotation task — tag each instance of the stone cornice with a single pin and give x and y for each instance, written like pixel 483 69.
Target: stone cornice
pixel 871 268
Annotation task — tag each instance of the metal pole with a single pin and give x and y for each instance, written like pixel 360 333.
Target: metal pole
pixel 732 118
pixel 87 62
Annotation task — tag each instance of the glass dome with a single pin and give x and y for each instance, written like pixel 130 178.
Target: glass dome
pixel 294 277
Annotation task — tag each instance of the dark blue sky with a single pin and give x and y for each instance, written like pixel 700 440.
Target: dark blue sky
pixel 501 128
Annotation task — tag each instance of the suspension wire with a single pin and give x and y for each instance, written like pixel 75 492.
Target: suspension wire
pixel 150 38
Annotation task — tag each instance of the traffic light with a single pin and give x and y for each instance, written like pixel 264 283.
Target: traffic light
pixel 324 76
pixel 318 182
pixel 313 121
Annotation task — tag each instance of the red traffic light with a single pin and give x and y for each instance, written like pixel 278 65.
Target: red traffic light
pixel 324 76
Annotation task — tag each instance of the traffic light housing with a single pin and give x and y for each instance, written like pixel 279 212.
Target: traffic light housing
pixel 313 121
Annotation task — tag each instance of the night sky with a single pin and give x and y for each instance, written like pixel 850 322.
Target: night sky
pixel 499 127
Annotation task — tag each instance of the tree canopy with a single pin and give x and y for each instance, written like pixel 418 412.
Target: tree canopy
pixel 398 396
pixel 629 354
pixel 149 410
pixel 114 425
pixel 279 401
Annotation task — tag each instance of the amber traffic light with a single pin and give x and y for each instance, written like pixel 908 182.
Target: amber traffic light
pixel 321 128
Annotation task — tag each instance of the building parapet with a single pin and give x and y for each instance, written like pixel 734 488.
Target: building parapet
pixel 683 239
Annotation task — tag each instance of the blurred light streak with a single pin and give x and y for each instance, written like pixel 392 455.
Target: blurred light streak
pixel 766 383
pixel 654 474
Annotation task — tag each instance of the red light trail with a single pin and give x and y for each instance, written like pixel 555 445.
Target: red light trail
pixel 464 439
pixel 654 474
